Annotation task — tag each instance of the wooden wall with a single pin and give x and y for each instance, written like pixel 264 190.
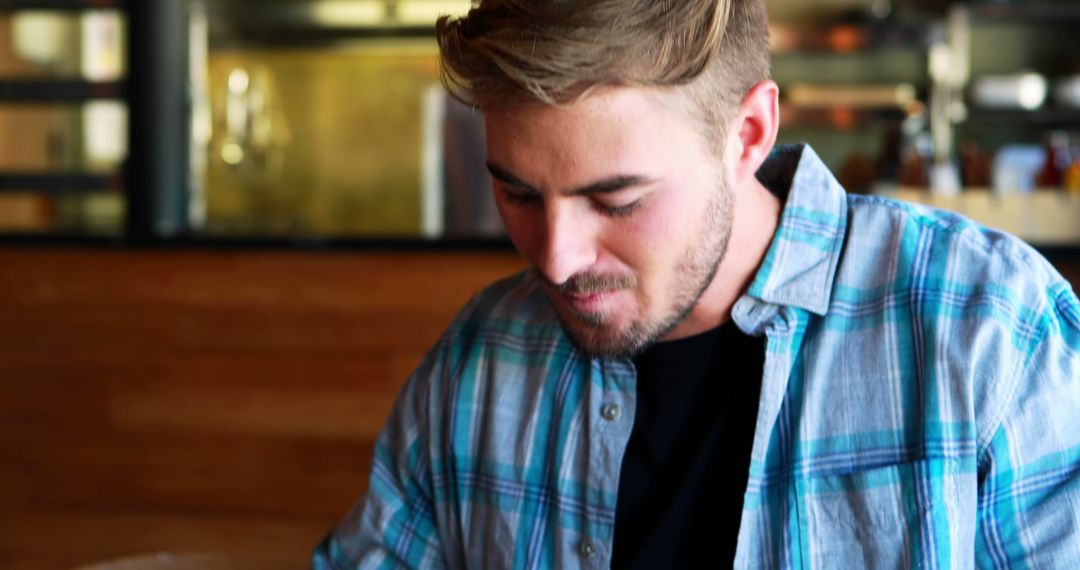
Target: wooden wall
pixel 205 401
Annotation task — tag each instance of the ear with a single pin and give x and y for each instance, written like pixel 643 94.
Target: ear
pixel 752 134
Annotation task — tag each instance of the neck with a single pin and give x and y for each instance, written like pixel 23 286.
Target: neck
pixel 755 217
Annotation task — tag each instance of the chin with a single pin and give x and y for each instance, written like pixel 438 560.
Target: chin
pixel 606 340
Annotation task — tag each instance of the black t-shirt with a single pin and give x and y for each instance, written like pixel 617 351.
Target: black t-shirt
pixel 684 473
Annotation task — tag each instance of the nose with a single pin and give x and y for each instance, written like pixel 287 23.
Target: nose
pixel 568 243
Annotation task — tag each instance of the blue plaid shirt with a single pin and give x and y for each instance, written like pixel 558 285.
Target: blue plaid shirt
pixel 920 407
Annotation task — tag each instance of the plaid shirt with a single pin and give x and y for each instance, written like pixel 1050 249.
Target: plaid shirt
pixel 920 407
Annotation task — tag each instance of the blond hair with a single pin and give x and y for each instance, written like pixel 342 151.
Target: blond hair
pixel 506 52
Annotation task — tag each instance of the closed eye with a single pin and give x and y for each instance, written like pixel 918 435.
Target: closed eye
pixel 532 198
pixel 518 197
pixel 617 211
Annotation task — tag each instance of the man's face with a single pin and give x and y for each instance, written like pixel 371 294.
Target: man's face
pixel 621 206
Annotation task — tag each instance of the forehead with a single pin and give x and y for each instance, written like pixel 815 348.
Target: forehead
pixel 610 130
pixel 607 109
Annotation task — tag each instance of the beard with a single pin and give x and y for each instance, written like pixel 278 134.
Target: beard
pixel 595 332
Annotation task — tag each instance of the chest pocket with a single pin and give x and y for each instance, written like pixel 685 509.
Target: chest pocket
pixel 895 516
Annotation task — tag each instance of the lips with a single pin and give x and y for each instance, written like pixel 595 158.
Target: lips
pixel 588 302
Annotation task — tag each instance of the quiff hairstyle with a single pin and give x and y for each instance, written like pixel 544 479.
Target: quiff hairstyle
pixel 507 52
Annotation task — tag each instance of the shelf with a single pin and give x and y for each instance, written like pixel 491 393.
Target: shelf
pixel 1043 217
pixel 58 90
pixel 60 4
pixel 1039 117
pixel 253 36
pixel 847 38
pixel 60 182
pixel 1039 12
pixel 838 116
pixel 275 23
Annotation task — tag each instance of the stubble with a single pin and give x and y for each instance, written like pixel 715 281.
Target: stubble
pixel 693 273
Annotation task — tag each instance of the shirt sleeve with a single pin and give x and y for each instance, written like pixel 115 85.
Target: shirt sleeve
pixel 1029 490
pixel 394 525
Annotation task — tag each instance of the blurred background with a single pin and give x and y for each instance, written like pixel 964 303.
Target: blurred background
pixel 230 228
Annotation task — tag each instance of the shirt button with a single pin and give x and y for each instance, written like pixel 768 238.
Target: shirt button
pixel 611 412
pixel 588 549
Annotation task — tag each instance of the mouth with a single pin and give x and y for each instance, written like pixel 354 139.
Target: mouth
pixel 588 303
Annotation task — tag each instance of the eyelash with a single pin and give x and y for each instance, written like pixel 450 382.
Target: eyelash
pixel 617 211
pixel 521 198
pixel 610 211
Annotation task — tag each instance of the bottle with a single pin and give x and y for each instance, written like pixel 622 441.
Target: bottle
pixel 975 165
pixel 914 163
pixel 1071 176
pixel 1057 159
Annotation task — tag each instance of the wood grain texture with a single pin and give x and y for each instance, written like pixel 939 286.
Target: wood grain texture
pixel 206 402
pixel 203 401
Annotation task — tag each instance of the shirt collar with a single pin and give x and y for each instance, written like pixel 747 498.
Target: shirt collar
pixel 800 266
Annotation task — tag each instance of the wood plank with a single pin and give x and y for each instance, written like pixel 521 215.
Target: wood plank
pixel 61 540
pixel 192 471
pixel 191 401
pixel 358 412
pixel 203 401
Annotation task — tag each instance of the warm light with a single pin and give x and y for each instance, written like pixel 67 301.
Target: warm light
pixel 1032 90
pixel 102 45
pixel 238 81
pixel 40 37
pixel 782 38
pixel 846 39
pixel 105 128
pixel 425 12
pixel 346 13
pixel 842 117
pixel 905 95
pixel 232 153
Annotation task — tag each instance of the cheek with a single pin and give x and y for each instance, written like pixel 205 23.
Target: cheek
pixel 636 249
pixel 654 238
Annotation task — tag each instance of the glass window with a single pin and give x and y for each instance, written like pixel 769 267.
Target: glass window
pixel 61 146
pixel 317 141
pixel 327 118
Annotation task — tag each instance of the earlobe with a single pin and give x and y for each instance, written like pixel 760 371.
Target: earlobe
pixel 758 121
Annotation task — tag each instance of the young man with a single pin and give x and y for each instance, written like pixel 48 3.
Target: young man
pixel 718 357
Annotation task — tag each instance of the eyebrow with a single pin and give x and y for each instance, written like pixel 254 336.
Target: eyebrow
pixel 605 186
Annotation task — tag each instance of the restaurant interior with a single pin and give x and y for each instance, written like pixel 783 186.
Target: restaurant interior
pixel 229 229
